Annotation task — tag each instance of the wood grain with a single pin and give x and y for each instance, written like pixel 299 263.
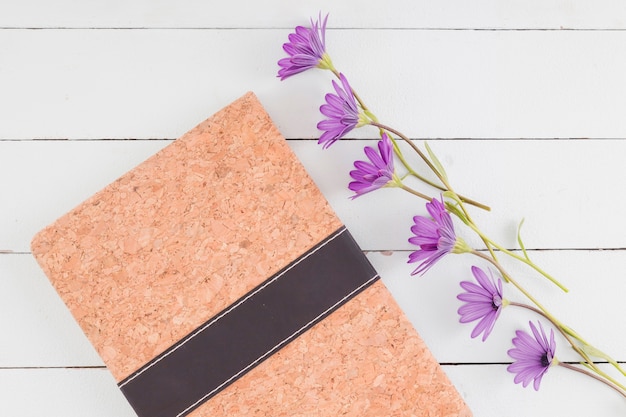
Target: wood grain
pixel 525 101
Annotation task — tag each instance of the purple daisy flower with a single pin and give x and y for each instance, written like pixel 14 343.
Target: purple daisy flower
pixel 533 355
pixel 435 237
pixel 342 112
pixel 306 49
pixel 379 172
pixel 483 301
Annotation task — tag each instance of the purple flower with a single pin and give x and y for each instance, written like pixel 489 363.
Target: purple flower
pixel 342 112
pixel 377 173
pixel 306 49
pixel 533 355
pixel 435 237
pixel 483 301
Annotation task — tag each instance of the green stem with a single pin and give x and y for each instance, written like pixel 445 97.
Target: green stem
pixel 556 324
pixel 519 258
pixel 408 167
pixel 442 178
pixel 416 149
pixel 621 391
pixel 471 223
pixel 508 278
pixel 415 192
pixel 545 313
pixel 540 308
pixel 427 161
pixel 488 242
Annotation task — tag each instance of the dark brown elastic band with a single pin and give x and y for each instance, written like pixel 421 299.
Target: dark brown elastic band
pixel 249 331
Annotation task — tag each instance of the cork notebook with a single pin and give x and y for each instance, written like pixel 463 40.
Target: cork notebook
pixel 215 280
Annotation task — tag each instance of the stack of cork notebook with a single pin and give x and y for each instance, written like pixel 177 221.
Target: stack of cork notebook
pixel 215 280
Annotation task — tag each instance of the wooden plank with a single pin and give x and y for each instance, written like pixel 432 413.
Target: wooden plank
pixel 490 392
pixel 446 69
pixel 84 84
pixel 38 329
pixel 61 393
pixel 456 14
pixel 571 206
pixel 593 277
pixel 562 188
pixel 40 332
pixel 41 180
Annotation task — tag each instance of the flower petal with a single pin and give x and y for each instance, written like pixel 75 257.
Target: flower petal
pixel 531 354
pixel 306 49
pixel 371 175
pixel 482 302
pixel 341 111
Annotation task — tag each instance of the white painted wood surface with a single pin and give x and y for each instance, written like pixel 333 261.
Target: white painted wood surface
pixel 524 103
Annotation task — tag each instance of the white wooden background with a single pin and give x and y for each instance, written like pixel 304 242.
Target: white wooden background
pixel 524 102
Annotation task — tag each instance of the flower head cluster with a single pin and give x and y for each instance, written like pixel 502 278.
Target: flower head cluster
pixel 434 236
pixel 306 49
pixel 342 112
pixel 533 355
pixel 378 172
pixel 483 302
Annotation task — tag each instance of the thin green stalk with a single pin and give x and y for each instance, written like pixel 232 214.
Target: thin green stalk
pixel 441 177
pixel 540 308
pixel 375 122
pixel 519 258
pixel 488 242
pixel 556 324
pixel 470 222
pixel 545 313
pixel 506 276
pixel 415 192
pixel 459 198
pixel 408 167
pixel 430 165
pixel 621 391
pixel 593 351
pixel 416 149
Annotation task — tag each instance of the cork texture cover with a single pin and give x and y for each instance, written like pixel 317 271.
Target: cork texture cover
pixel 178 239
